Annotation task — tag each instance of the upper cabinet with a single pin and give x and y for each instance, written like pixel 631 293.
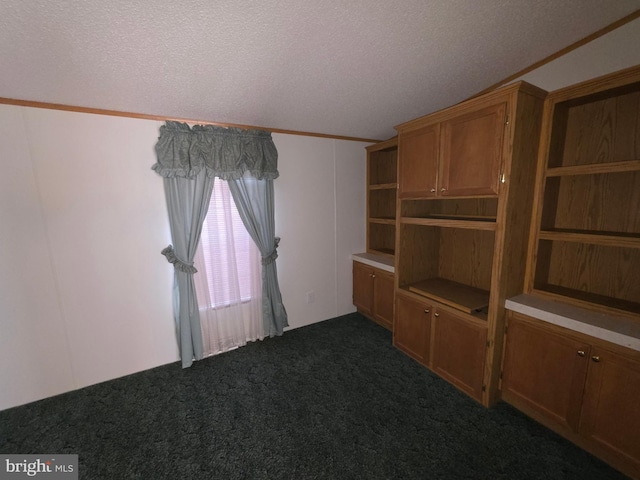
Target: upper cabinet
pixel 418 169
pixel 585 241
pixel 457 156
pixel 472 152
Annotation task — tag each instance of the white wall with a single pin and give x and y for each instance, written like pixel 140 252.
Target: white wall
pixel 85 295
pixel 614 51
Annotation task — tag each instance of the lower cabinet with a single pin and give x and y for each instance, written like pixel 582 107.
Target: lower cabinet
pixel 412 329
pixel 373 293
pixel 459 350
pixel 581 387
pixel 452 345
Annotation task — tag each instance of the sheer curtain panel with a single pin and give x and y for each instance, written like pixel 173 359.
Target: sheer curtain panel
pixel 228 282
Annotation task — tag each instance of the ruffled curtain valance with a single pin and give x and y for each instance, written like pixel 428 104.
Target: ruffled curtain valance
pixel 227 153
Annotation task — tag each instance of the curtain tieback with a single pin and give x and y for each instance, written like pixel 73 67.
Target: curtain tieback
pixel 177 263
pixel 271 257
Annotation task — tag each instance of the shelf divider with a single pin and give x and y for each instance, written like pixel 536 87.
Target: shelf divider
pixel 605 239
pixel 472 223
pixel 594 168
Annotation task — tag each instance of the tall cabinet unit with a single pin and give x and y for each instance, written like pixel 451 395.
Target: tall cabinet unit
pixel 581 305
pixel 465 182
pixel 373 277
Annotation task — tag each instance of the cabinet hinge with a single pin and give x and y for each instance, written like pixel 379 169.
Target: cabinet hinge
pixel 484 388
pixel 506 328
pixel 502 178
pixel 506 120
pixel 500 375
pixel 488 343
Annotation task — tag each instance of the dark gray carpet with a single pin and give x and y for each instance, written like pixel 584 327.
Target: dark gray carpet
pixel 333 400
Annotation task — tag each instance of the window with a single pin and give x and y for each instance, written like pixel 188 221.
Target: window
pixel 231 259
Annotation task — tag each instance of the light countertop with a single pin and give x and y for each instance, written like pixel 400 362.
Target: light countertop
pixel 615 329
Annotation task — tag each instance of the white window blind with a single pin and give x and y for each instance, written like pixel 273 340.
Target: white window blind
pixel 230 255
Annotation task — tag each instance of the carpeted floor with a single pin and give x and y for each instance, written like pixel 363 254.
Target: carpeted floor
pixel 333 400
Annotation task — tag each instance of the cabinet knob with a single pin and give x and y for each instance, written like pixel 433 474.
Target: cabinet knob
pixel 373 275
pixel 436 314
pixel 443 189
pixel 426 310
pixel 433 190
pixel 581 353
pixel 596 358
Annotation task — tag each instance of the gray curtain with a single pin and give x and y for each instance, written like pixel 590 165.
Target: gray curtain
pixel 188 159
pixel 187 204
pixel 254 199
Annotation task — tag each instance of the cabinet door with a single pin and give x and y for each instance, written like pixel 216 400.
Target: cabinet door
pixel 383 290
pixel 418 162
pixel 412 328
pixel 472 152
pixel 544 372
pixel 459 349
pixel 363 287
pixel 610 412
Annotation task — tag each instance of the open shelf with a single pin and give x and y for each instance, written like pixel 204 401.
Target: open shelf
pixel 605 275
pixel 602 202
pixel 383 166
pixel 598 128
pixel 382 237
pixel 382 203
pixel 457 295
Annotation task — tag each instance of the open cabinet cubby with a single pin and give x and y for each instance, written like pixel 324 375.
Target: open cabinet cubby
pixel 383 166
pixel 449 265
pixel 480 209
pixel 382 204
pixel 382 238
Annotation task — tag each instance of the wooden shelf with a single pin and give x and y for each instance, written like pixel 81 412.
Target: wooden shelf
pixel 587 298
pixel 606 239
pixel 594 168
pixel 383 251
pixel 383 186
pixel 472 223
pixel 457 295
pixel 382 221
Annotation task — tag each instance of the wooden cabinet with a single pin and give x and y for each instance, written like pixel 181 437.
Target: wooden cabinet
pixel 472 152
pixel 459 347
pixel 545 371
pixel 610 415
pixel 373 293
pixel 460 156
pixel 462 234
pixel 581 387
pixel 382 186
pixel 450 344
pixel 418 171
pixel 412 328
pixel 585 240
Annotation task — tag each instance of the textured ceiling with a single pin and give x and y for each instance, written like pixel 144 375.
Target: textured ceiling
pixel 341 67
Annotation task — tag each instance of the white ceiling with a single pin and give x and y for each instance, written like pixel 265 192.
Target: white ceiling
pixel 341 67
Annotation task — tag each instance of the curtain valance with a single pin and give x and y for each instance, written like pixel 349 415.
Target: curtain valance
pixel 227 153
